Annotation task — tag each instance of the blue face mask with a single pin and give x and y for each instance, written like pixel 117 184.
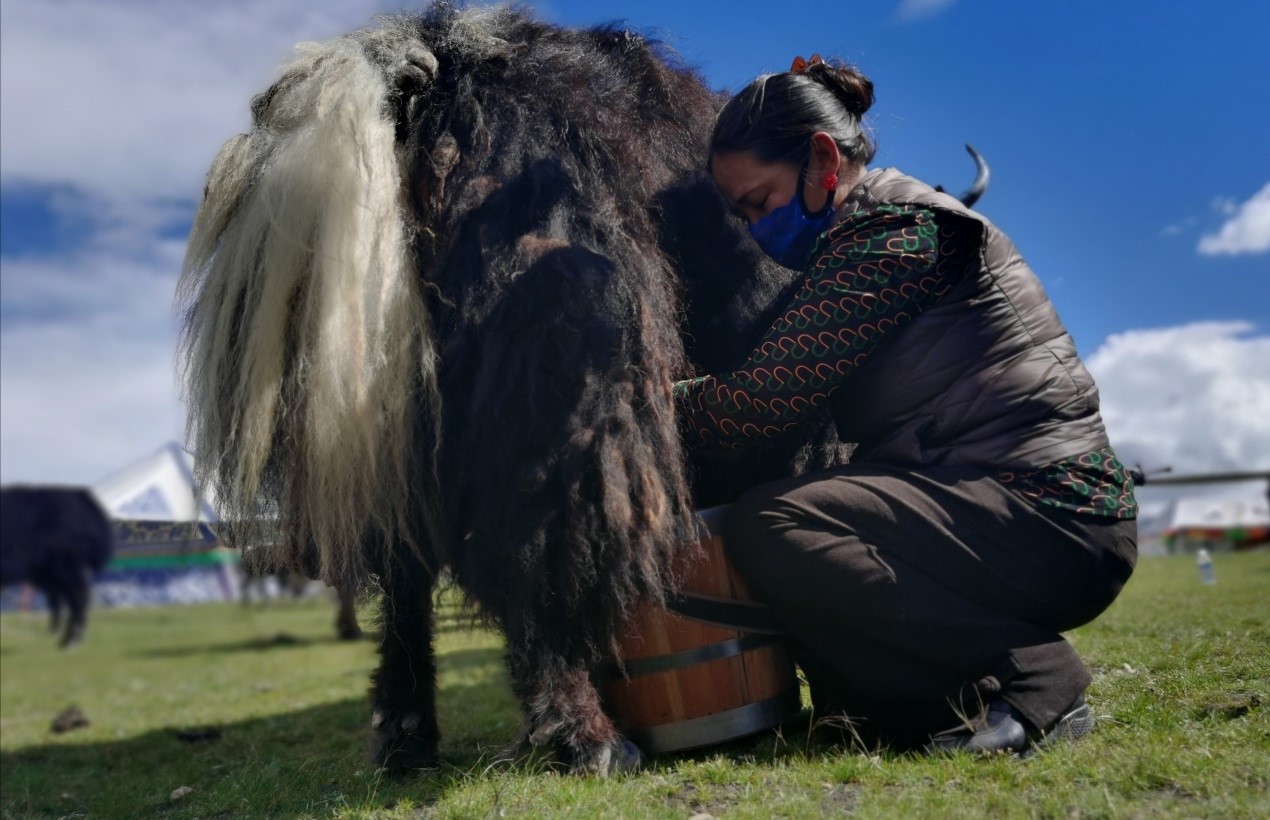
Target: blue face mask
pixel 789 233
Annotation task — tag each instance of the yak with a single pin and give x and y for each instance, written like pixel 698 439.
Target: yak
pixel 55 538
pixel 434 303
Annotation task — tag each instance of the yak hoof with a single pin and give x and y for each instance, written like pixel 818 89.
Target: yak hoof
pixel 619 756
pixel 626 757
pixel 401 742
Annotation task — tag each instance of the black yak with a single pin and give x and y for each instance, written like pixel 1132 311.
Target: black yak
pixel 55 538
pixel 434 303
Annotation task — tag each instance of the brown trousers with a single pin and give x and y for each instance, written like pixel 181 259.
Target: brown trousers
pixel 914 595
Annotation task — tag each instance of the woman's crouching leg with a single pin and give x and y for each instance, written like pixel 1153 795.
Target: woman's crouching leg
pixel 890 621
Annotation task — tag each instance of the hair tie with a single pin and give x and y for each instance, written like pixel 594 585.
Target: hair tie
pixel 800 65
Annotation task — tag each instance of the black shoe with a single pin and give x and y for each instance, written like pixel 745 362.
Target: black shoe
pixel 998 730
pixel 1002 730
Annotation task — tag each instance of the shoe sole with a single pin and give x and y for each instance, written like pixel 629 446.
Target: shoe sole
pixel 1069 728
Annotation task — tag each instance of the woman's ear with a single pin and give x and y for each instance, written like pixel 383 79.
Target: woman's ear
pixel 825 158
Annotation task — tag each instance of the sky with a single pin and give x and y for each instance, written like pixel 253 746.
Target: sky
pixel 1127 143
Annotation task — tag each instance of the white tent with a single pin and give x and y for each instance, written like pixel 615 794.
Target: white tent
pixel 166 550
pixel 157 487
pixel 1218 523
pixel 1224 514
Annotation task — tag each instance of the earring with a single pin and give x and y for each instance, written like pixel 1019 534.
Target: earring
pixel 829 182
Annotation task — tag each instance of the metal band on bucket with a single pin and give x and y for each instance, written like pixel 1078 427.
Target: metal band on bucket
pixel 729 613
pixel 717 728
pixel 691 657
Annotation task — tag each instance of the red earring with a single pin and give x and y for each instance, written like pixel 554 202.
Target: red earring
pixel 829 182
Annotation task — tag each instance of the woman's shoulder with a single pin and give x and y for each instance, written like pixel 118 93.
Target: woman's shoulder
pixel 944 238
pixel 882 230
pixel 880 217
pixel 884 186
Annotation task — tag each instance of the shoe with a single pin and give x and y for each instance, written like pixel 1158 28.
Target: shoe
pixel 1076 721
pixel 998 730
pixel 1002 730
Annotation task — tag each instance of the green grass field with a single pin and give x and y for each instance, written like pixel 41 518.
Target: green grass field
pixel 1181 683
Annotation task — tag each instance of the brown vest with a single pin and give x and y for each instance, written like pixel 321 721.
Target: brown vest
pixel 988 376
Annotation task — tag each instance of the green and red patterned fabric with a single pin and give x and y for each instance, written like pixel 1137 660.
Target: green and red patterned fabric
pixel 873 272
pixel 1095 483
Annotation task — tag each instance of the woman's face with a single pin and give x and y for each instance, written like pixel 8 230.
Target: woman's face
pixel 753 188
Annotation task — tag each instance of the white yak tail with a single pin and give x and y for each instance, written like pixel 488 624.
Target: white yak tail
pixel 308 357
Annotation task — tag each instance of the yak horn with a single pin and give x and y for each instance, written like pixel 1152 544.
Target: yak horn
pixel 982 175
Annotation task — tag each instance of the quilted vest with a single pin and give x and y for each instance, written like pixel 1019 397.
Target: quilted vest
pixel 988 376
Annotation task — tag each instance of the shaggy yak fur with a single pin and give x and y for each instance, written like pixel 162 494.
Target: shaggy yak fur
pixel 55 538
pixel 434 303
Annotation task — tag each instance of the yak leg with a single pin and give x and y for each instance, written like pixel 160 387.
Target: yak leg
pixel 403 687
pixel 75 587
pixel 346 617
pixel 562 709
pixel 65 586
pixel 54 598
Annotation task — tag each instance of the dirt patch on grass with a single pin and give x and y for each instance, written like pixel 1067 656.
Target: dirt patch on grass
pixel 1172 791
pixel 689 798
pixel 68 720
pixel 840 798
pixel 1232 706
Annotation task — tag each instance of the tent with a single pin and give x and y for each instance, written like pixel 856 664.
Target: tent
pixel 166 549
pixel 1218 524
pixel 157 487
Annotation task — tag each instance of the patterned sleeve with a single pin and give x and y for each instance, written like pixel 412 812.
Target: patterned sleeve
pixel 873 272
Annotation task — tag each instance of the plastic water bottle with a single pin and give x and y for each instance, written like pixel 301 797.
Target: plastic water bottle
pixel 1205 563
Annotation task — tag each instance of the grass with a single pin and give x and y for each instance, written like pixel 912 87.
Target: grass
pixel 1181 681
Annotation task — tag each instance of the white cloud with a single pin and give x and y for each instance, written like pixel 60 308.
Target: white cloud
pixel 122 104
pixel 1225 206
pixel 87 376
pixel 129 101
pixel 1246 231
pixel 911 10
pixel 1194 397
pixel 1179 228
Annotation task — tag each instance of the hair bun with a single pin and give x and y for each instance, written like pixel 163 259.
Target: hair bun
pixel 849 85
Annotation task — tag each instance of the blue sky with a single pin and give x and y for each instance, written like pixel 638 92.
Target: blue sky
pixel 1127 143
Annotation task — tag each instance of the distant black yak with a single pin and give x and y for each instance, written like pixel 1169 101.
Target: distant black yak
pixel 434 303
pixel 55 538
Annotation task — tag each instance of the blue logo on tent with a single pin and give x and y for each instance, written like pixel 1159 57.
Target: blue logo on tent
pixel 149 504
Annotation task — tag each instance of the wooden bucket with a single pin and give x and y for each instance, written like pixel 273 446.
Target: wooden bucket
pixel 713 668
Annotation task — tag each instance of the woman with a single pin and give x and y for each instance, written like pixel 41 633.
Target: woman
pixel 984 512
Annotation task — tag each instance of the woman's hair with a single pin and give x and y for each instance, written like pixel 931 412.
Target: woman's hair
pixel 776 114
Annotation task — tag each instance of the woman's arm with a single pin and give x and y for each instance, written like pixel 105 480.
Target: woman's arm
pixel 873 273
